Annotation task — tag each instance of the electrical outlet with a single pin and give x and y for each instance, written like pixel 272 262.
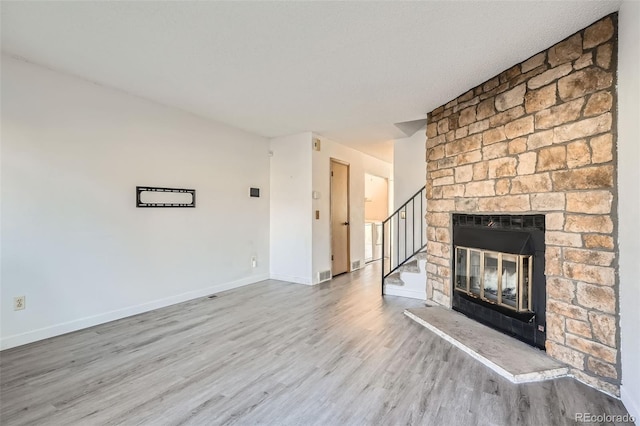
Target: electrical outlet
pixel 18 303
pixel 254 262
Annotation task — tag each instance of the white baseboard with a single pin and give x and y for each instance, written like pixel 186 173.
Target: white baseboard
pixel 632 405
pixel 291 279
pixel 391 290
pixel 81 323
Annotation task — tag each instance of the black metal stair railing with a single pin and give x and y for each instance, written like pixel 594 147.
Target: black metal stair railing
pixel 403 234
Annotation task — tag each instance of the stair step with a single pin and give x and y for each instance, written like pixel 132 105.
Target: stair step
pixel 411 266
pixel 421 255
pixel 394 279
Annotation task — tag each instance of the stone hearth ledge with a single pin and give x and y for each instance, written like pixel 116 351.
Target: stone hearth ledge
pixel 511 358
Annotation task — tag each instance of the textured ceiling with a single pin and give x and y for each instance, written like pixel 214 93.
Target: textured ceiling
pixel 345 70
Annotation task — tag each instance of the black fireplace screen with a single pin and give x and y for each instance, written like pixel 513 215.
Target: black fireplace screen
pixel 498 273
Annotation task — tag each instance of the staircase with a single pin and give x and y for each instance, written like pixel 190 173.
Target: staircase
pixel 403 242
pixel 410 279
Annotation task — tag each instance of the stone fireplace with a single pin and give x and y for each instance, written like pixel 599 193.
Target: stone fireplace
pixel 537 140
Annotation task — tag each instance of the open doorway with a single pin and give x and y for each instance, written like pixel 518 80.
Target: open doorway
pixel 376 209
pixel 340 244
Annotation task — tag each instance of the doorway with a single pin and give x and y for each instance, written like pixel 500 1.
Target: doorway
pixel 340 227
pixel 376 210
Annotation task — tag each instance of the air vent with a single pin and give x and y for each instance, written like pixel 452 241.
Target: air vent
pixel 324 276
pixel 355 265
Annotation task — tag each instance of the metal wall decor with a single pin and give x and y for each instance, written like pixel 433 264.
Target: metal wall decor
pixel 141 189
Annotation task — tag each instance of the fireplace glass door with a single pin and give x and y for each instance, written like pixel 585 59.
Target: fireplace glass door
pixel 509 288
pixel 499 278
pixel 490 276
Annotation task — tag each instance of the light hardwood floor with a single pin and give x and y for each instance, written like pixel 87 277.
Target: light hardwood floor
pixel 280 354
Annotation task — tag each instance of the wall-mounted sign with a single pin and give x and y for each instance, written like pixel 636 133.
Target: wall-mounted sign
pixel 151 196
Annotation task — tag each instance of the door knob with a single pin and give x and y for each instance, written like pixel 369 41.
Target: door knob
pixel 346 223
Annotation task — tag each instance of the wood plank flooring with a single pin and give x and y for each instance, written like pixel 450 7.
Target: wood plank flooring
pixel 275 353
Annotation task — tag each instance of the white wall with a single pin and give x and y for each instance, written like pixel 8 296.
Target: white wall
pixel 73 241
pixel 359 164
pixel 629 200
pixel 290 210
pixel 409 166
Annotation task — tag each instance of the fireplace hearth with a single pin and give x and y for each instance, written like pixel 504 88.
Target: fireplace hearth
pixel 499 273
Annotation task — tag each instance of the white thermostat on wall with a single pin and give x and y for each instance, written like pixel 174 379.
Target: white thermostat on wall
pixel 315 195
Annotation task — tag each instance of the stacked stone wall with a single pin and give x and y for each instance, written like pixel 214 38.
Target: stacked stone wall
pixel 540 138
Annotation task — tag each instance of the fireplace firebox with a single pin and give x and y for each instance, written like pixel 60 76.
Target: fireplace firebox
pixel 499 273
